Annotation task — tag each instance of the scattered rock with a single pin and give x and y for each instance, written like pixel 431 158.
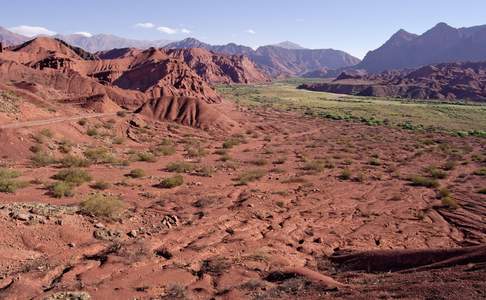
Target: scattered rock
pixel 106 234
pixel 69 296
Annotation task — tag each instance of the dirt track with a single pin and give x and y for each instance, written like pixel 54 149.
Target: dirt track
pixel 53 121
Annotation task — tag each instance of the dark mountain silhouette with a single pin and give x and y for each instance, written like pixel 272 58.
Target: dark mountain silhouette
pixel 441 44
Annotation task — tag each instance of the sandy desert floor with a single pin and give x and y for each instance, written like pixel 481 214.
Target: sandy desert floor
pixel 271 210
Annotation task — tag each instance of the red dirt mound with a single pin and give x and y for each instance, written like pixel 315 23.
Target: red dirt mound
pixel 448 81
pixel 187 111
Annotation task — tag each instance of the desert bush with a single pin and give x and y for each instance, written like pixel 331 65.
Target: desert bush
pixel 250 176
pixel 345 174
pixel 435 173
pixel 164 150
pixel 99 155
pixel 71 161
pixel 9 174
pixel 480 172
pixel 279 161
pixel 449 165
pixel 73 176
pixel 65 146
pixel 195 151
pixel 136 173
pixel 204 171
pixel 314 166
pixel 42 159
pixel 423 181
pixel 171 182
pixel 450 202
pixel 82 122
pixel 46 132
pixel 101 185
pixel 100 205
pixel 92 132
pixel 146 157
pixel 234 140
pixel 258 162
pixel 225 157
pixel 61 189
pixel 8 183
pixel 482 191
pixel 121 113
pixel 118 140
pixel 215 266
pixel 444 192
pixel 180 167
pixel 374 162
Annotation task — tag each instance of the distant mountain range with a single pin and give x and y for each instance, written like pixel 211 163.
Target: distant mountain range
pixel 103 42
pixel 280 60
pixel 8 38
pixel 441 44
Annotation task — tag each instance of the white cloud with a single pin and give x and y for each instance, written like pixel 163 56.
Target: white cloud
pixel 250 31
pixel 186 31
pixel 145 25
pixel 84 33
pixel 31 31
pixel 167 30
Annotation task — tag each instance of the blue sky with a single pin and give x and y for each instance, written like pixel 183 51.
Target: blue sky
pixel 355 26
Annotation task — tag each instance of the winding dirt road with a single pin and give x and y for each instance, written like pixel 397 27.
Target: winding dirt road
pixel 53 121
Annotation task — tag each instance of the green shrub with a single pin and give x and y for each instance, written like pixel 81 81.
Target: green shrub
pixel 314 166
pixel 345 174
pixel 233 141
pixel 258 162
pixel 443 192
pixel 423 181
pixel 71 161
pixel 195 151
pixel 279 161
pixel 204 171
pixel 47 133
pixel 450 202
pixel 118 140
pixel 101 185
pixel 374 162
pixel 104 206
pixel 171 182
pixel 42 159
pixel 9 174
pixel 121 113
pixel 61 189
pixel 65 146
pixel 99 155
pixel 250 176
pixel 436 173
pixel 136 173
pixel 146 156
pixel 449 165
pixel 11 185
pixel 180 167
pixel 164 150
pixel 92 132
pixel 480 172
pixel 82 122
pixel 73 176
